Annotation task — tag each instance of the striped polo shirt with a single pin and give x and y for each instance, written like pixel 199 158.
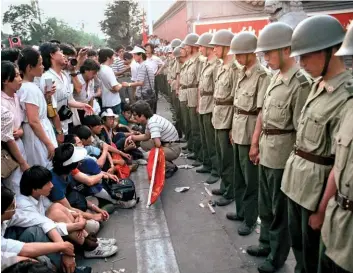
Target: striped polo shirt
pixel 118 65
pixel 160 127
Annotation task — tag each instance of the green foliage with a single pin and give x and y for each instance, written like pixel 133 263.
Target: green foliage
pixel 123 23
pixel 25 23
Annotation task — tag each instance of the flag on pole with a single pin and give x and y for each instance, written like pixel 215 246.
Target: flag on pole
pixel 144 34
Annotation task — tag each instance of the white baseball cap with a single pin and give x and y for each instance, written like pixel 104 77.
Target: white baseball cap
pixel 137 49
pixel 108 113
pixel 79 154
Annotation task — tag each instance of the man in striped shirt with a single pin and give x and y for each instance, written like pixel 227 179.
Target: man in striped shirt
pixel 118 66
pixel 160 132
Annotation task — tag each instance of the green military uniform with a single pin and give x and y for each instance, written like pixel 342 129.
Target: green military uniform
pixel 337 229
pixel 308 167
pixel 193 69
pixel 284 100
pixel 248 98
pixel 222 122
pixel 183 98
pixel 206 105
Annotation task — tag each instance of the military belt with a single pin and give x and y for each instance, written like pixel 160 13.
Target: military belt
pixel 344 202
pixel 322 160
pixel 204 93
pixel 224 102
pixel 276 131
pixel 189 86
pixel 243 112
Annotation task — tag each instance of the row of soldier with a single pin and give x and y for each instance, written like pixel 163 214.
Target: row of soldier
pixel 281 143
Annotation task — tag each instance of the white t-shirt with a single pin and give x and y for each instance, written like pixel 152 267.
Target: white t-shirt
pixel 107 77
pixel 160 127
pixel 87 91
pixel 134 68
pixel 154 62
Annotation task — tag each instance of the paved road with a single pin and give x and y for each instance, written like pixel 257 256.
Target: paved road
pixel 176 235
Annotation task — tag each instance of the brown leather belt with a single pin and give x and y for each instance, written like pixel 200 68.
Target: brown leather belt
pixel 223 102
pixel 344 202
pixel 322 160
pixel 204 93
pixel 189 86
pixel 276 131
pixel 243 112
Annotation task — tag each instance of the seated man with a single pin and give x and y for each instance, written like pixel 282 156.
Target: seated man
pixel 31 242
pixel 160 132
pixel 34 206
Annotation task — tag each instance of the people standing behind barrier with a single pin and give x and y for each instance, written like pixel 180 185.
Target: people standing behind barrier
pixel 118 65
pixel 38 135
pixel 308 167
pixel 144 79
pixel 336 206
pixel 226 80
pixel 110 86
pixel 97 102
pixel 205 107
pixel 11 123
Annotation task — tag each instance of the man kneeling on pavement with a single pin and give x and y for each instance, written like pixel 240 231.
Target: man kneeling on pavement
pixel 160 132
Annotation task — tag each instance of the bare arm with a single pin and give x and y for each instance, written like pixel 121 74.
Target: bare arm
pixel 88 180
pixel 116 88
pixel 157 142
pixel 33 250
pixel 254 149
pixel 77 84
pixel 142 137
pixel 15 152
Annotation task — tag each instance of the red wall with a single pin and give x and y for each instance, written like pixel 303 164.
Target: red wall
pixel 174 27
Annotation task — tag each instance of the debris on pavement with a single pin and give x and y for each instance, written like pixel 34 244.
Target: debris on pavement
pixel 212 203
pixel 186 166
pixel 122 258
pixel 181 189
pixel 258 221
pixel 201 205
pixel 211 208
pixel 208 192
pixel 243 251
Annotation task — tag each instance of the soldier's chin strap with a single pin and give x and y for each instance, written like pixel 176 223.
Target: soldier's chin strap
pixel 328 55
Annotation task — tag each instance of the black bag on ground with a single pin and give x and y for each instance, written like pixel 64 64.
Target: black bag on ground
pixel 124 190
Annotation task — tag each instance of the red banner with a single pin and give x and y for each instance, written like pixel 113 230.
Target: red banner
pixel 257 25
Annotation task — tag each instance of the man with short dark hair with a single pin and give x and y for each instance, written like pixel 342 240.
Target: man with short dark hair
pixel 160 132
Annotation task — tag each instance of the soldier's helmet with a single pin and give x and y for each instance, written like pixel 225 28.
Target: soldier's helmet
pixel 243 43
pixel 176 52
pixel 222 37
pixel 205 39
pixel 316 33
pixel 274 36
pixel 347 45
pixel 175 42
pixel 191 39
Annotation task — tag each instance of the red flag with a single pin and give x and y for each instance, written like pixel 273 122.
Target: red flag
pixel 144 34
pixel 159 177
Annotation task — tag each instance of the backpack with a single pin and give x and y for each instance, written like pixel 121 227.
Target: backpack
pixel 124 190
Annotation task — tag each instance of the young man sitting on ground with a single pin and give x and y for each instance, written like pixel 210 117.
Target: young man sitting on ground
pixel 160 132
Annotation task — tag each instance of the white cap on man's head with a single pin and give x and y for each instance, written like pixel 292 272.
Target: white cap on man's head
pixel 79 154
pixel 108 113
pixel 137 49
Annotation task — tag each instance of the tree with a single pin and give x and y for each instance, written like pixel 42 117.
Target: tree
pixel 22 19
pixel 123 23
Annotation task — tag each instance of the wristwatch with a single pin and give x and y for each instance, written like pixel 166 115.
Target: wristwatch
pixel 59 132
pixel 74 74
pixel 129 84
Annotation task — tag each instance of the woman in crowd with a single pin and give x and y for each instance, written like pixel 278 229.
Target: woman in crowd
pixel 11 121
pixel 38 138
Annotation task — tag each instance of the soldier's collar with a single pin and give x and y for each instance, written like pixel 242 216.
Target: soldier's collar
pixel 212 61
pixel 248 72
pixel 332 84
pixel 193 58
pixel 287 77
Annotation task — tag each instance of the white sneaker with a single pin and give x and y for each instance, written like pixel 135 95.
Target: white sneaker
pixel 106 241
pixel 101 251
pixel 125 204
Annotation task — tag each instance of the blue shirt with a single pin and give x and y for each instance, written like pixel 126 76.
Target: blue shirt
pixel 93 151
pixel 58 192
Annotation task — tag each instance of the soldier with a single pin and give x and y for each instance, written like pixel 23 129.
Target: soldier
pixel 284 99
pixel 222 114
pixel 182 94
pixel 205 108
pixel 336 233
pixel 315 40
pixel 249 93
pixel 192 80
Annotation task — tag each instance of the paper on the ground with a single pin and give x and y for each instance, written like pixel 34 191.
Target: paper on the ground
pixel 181 189
pixel 186 166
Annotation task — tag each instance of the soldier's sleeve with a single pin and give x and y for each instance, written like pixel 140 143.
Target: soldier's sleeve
pixel 264 82
pixel 178 67
pixel 299 98
pixel 198 70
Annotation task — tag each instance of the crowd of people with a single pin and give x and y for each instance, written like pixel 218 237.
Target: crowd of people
pixel 76 121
